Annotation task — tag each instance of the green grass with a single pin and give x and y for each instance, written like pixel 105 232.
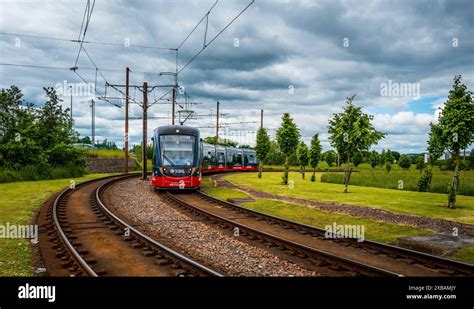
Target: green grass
pixel 379 177
pixel 416 203
pixel 373 230
pixel 208 186
pixel 105 153
pixel 33 172
pixel 18 202
pixel 465 255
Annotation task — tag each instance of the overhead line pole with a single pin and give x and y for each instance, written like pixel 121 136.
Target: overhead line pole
pixel 217 123
pixel 127 70
pixel 173 106
pixel 261 118
pixel 93 121
pixel 144 141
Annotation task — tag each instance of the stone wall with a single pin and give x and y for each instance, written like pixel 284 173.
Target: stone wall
pixel 109 165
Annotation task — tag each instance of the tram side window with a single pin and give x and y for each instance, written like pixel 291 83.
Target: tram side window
pixel 220 157
pixel 252 159
pixel 237 158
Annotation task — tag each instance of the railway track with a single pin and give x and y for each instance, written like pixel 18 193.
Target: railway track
pixel 80 236
pixel 346 255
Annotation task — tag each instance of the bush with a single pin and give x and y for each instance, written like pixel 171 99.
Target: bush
pixel 62 155
pixel 34 172
pixel 404 162
pixel 425 181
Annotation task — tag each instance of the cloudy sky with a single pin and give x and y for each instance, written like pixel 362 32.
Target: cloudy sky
pixel 303 57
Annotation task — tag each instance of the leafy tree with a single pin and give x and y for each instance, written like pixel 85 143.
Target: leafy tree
pixel 40 137
pixel 404 162
pixel 330 157
pixel 85 140
pixel 420 163
pixel 374 158
pixel 293 159
pixel 54 124
pixel 275 156
pixel 382 158
pixel 303 157
pixel 454 130
pixel 357 158
pixel 389 158
pixel 396 155
pixel 388 166
pixel 470 160
pixel 424 181
pixel 352 131
pixel 315 154
pixel 262 148
pixel 288 136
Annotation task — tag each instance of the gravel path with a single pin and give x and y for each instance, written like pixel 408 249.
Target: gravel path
pixel 435 224
pixel 136 202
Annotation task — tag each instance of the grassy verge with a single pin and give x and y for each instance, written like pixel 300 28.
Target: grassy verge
pixel 18 202
pixel 374 230
pixel 380 178
pixel 105 153
pixel 416 203
pixel 465 255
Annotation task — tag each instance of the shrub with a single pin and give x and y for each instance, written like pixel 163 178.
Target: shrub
pixel 404 162
pixel 425 181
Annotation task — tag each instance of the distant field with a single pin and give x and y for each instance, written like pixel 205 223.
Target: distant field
pixel 105 153
pixel 18 202
pixel 408 202
pixel 380 178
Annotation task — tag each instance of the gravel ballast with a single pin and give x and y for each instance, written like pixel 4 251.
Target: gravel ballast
pixel 136 202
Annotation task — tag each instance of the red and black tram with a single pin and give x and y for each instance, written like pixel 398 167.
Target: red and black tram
pixel 180 158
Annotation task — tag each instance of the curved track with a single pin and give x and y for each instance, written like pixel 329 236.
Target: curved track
pixel 346 254
pixel 80 236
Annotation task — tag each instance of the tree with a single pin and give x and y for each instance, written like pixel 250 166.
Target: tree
pixel 351 131
pixel 275 156
pixel 303 157
pixel 382 158
pixel 262 148
pixel 288 136
pixel 330 157
pixel 404 162
pixel 374 158
pixel 357 158
pixel 85 140
pixel 388 166
pixel 396 155
pixel 29 135
pixel 315 154
pixel 420 163
pixel 470 160
pixel 454 130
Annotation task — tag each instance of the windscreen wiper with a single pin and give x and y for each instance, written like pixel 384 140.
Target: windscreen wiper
pixel 168 159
